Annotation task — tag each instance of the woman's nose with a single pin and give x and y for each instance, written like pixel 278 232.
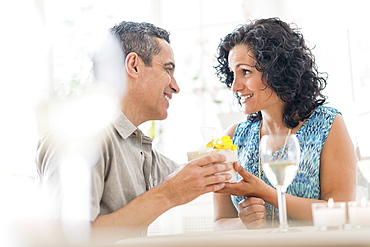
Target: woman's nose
pixel 236 86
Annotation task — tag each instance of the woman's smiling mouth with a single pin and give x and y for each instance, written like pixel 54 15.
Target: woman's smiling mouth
pixel 245 97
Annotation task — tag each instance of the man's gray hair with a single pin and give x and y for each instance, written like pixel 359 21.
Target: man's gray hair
pixel 140 38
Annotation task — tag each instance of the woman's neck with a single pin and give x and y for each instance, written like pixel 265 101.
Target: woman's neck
pixel 272 122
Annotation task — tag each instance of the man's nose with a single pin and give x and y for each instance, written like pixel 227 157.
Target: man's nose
pixel 174 86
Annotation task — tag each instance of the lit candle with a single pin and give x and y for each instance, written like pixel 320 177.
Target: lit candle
pixel 329 215
pixel 359 212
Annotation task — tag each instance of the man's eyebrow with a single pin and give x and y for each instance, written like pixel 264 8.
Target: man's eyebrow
pixel 171 64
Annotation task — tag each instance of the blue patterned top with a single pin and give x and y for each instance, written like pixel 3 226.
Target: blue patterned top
pixel 311 136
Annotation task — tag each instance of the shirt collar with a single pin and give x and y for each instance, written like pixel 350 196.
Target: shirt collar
pixel 124 126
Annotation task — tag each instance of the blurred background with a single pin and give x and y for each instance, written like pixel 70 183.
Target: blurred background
pixel 45 53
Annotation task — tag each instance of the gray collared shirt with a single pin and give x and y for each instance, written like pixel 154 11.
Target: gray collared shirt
pixel 124 166
pixel 128 167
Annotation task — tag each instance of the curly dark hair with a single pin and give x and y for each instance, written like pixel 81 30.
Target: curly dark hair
pixel 139 37
pixel 286 63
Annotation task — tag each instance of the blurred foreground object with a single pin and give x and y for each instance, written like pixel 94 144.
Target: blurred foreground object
pixel 74 126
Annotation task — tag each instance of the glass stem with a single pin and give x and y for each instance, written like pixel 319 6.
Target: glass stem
pixel 283 220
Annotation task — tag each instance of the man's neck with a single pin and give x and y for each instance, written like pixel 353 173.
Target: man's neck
pixel 133 114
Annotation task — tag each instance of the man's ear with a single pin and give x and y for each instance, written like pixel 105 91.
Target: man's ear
pixel 132 62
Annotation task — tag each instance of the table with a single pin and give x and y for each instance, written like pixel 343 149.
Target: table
pixel 305 236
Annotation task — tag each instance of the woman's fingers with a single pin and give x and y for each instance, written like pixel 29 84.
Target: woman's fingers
pixel 242 172
pixel 252 212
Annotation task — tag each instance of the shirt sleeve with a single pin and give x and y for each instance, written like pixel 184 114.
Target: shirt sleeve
pixel 64 172
pixel 47 178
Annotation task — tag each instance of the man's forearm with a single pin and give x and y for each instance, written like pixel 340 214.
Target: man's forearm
pixel 132 219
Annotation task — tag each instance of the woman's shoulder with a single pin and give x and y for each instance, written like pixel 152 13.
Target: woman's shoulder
pixel 247 124
pixel 326 110
pixel 246 127
pixel 230 130
pixel 321 118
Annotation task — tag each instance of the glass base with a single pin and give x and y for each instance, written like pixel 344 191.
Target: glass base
pixel 285 229
pixel 330 228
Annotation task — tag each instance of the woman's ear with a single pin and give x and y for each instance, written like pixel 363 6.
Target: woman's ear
pixel 131 64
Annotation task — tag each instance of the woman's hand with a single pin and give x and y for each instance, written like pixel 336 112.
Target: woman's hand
pixel 252 213
pixel 249 185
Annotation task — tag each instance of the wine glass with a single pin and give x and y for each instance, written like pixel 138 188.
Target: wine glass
pixel 364 167
pixel 280 155
pixel 363 156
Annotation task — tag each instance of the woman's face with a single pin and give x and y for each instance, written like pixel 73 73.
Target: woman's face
pixel 253 91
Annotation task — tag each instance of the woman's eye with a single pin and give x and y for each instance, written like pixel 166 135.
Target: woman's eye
pixel 245 72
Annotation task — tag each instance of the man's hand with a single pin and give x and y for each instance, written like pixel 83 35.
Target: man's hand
pixel 196 178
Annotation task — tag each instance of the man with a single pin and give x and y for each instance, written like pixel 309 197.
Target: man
pixel 129 189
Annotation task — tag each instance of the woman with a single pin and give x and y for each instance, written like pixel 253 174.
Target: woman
pixel 273 74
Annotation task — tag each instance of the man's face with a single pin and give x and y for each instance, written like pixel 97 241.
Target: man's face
pixel 159 83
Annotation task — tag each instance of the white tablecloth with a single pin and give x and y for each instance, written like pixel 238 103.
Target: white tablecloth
pixel 306 236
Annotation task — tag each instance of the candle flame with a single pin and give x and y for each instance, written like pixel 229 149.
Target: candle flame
pixel 331 203
pixel 363 202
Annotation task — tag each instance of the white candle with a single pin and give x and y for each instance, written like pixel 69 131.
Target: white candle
pixel 328 215
pixel 359 212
